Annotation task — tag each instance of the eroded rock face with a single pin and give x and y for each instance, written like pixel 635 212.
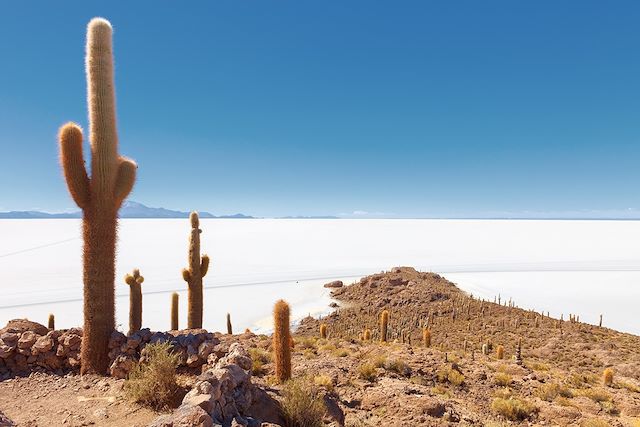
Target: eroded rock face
pixel 5 421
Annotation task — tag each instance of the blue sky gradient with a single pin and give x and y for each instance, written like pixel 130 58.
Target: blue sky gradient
pixel 401 109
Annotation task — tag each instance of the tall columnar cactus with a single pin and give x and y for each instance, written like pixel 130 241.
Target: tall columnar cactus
pixel 174 311
pixel 500 352
pixel 134 281
pixel 99 196
pixel 282 341
pixel 384 324
pixel 426 337
pixel 323 331
pixel 52 322
pixel 193 275
pixel 229 327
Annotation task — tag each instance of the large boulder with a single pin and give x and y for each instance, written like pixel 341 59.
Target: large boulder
pixel 23 325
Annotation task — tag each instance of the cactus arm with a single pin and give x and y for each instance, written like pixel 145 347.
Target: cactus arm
pixel 140 280
pixel 186 275
pixel 204 265
pixel 125 178
pixel 129 280
pixel 72 160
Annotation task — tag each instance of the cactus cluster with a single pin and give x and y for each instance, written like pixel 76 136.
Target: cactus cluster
pixel 99 195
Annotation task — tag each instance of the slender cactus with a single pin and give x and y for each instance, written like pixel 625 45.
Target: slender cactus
pixel 426 337
pixel 229 327
pixel 323 331
pixel 282 341
pixel 500 352
pixel 52 322
pixel 134 281
pixel 174 311
pixel 384 324
pixel 198 268
pixel 99 197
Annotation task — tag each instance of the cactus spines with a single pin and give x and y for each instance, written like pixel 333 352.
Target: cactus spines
pixel 426 337
pixel 134 280
pixel 198 268
pixel 174 311
pixel 229 327
pixel 323 330
pixel 607 377
pixel 500 352
pixel 52 322
pixel 384 324
pixel 99 196
pixel 282 341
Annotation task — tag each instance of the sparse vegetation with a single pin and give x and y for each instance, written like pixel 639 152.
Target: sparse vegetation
pixel 502 379
pixel 450 375
pixel 607 377
pixel 514 409
pixel 259 358
pixel 367 372
pixel 302 403
pixel 153 381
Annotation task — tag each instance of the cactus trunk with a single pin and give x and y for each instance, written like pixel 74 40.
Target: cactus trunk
pixel 282 341
pixel 229 327
pixel 198 268
pixel 52 322
pixel 99 197
pixel 174 311
pixel 135 300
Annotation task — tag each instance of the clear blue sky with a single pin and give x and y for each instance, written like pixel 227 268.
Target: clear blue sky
pixel 412 108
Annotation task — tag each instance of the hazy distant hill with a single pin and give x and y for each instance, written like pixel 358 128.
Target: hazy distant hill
pixel 129 209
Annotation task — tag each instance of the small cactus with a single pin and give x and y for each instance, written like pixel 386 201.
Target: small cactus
pixel 367 335
pixel 134 281
pixel 198 268
pixel 52 322
pixel 426 337
pixel 323 331
pixel 174 311
pixel 384 324
pixel 229 327
pixel 607 377
pixel 282 341
pixel 500 352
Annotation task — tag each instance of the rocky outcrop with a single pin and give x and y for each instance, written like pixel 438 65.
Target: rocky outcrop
pixel 223 392
pixel 5 421
pixel 334 284
pixel 28 346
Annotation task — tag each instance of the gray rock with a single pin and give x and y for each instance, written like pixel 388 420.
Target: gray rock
pixel 334 284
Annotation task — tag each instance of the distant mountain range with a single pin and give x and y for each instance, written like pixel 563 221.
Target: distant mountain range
pixel 129 209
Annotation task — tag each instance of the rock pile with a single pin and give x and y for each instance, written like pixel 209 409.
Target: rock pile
pixel 29 346
pixel 222 395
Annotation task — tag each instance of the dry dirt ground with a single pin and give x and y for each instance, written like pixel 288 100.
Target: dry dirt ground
pixel 70 400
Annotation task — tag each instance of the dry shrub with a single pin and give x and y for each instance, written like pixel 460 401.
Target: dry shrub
pixel 324 381
pixel 302 403
pixel 595 422
pixel 550 391
pixel 513 409
pixel 259 358
pixel 450 375
pixel 153 381
pixel 367 372
pixel 398 366
pixel 502 379
pixel 595 394
pixel 379 361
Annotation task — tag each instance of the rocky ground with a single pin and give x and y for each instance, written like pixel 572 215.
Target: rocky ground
pixel 459 379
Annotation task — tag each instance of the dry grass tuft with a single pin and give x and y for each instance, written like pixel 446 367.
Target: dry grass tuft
pixel 513 409
pixel 367 372
pixel 302 403
pixel 153 382
pixel 502 379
